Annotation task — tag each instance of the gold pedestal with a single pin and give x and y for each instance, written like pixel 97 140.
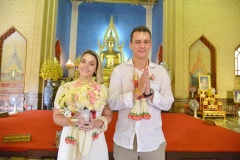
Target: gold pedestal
pixel 107 75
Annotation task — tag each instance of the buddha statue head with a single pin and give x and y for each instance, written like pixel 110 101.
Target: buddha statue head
pixel 110 41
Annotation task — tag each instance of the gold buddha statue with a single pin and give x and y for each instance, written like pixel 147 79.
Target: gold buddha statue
pixel 110 51
pixel 110 58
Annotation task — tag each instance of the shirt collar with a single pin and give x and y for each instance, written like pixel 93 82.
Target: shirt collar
pixel 151 64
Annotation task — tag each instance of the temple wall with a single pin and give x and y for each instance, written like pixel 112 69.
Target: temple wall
pixel 34 20
pixel 185 21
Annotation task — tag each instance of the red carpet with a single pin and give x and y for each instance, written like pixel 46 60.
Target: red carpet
pixel 183 133
pixel 188 134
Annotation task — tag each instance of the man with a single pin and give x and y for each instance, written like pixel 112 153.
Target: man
pixel 139 89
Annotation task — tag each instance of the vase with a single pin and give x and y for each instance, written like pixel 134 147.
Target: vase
pixel 85 113
pixel 192 95
pixel 48 95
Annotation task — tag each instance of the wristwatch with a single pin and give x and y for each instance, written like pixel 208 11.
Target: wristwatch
pixel 150 94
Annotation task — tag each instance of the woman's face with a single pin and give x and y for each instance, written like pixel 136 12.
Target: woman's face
pixel 87 66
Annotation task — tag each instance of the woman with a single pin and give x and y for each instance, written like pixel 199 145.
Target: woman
pixel 83 139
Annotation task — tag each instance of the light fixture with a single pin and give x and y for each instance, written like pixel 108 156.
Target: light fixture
pixel 69 64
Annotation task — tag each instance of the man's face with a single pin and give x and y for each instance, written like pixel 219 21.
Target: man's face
pixel 141 44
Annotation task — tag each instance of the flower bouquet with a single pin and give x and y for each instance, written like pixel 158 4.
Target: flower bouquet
pixel 91 96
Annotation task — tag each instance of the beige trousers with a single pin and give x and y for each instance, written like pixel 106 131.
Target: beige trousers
pixel 120 153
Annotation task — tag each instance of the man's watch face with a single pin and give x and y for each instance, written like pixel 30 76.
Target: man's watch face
pixel 151 91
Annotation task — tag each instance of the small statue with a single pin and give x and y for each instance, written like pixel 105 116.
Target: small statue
pixel 112 57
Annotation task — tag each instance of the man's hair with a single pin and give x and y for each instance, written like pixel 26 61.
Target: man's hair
pixel 140 29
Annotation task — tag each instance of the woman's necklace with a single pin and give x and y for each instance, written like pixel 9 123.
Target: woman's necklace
pixel 80 83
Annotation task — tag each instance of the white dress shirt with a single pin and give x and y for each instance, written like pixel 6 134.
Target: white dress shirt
pixel 149 132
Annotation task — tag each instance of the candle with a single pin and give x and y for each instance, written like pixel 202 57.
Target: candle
pixel 69 64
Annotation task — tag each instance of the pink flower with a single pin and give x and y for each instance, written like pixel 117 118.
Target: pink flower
pixel 91 94
pixel 192 89
pixel 96 87
pixel 76 97
pixel 92 100
pixel 152 77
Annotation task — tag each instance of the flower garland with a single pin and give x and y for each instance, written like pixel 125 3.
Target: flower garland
pixel 140 108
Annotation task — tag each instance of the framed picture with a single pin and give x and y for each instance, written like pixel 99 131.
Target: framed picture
pixel 204 82
pixel 236 95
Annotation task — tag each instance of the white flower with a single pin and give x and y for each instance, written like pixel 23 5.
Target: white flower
pixel 92 96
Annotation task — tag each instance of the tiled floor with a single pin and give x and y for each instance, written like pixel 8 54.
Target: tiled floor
pixel 231 122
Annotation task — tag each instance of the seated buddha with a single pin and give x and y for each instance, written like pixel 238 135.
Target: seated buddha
pixel 110 58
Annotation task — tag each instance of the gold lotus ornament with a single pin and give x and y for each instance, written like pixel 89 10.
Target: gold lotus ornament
pixel 51 69
pixel 208 93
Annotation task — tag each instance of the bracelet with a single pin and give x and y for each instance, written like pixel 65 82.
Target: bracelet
pixel 137 91
pixel 150 94
pixel 69 121
pixel 105 123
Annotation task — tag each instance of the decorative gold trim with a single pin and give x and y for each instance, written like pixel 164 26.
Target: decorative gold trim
pixel 133 2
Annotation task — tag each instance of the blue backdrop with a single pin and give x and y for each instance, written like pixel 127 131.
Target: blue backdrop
pixel 93 20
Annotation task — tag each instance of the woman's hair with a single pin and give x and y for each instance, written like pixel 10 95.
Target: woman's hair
pixel 98 73
pixel 140 29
